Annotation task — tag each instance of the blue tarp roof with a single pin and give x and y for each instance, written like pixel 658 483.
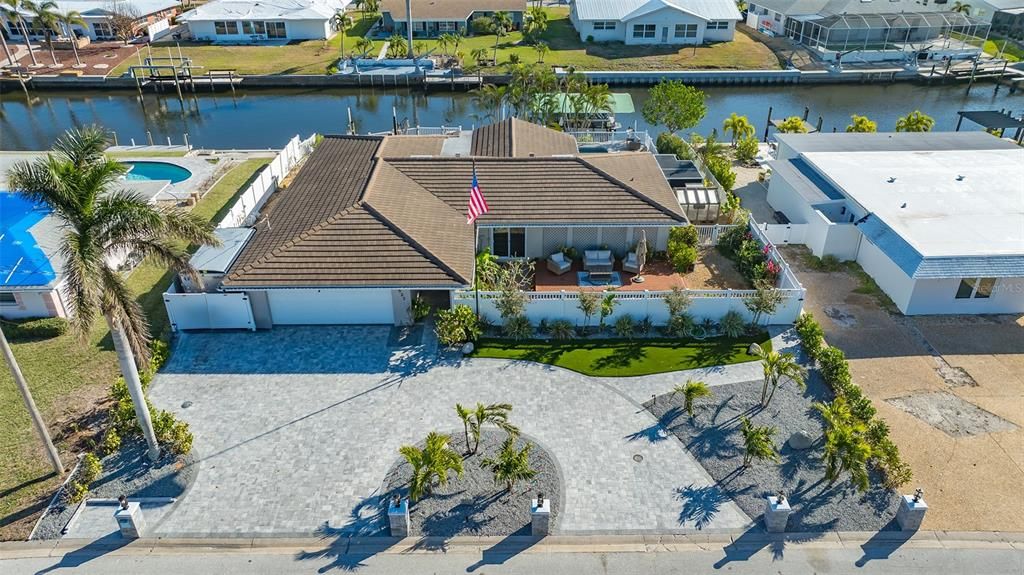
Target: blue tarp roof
pixel 22 262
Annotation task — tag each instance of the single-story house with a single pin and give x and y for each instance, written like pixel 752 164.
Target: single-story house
pixel 96 14
pixel 432 18
pixel 370 222
pixel 936 218
pixel 236 21
pixel 1006 16
pixel 655 21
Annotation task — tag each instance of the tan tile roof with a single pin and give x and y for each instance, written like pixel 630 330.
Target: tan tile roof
pixel 405 146
pixel 514 138
pixel 639 171
pixel 454 9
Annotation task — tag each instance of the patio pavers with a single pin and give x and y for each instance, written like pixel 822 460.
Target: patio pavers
pixel 295 429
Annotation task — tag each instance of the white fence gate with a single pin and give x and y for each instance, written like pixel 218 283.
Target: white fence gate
pixel 246 208
pixel 208 310
pixel 782 234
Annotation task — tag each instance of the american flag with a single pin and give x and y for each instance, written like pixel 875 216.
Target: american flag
pixel 477 203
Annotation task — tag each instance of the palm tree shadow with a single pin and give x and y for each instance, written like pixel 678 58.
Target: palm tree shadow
pixel 78 557
pixel 659 430
pixel 622 356
pixel 700 504
pixel 754 539
pixel 502 551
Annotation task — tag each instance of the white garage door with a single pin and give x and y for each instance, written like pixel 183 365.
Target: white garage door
pixel 331 306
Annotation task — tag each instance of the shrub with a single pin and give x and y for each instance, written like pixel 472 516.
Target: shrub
pixel 682 236
pixel 517 327
pixel 677 302
pixel 170 432
pixel 543 327
pixel 811 335
pixel 683 259
pixel 590 38
pixel 721 169
pixel 76 491
pixel 732 324
pixel 644 327
pixel 669 143
pixel 624 326
pixel 680 325
pixel 834 369
pixel 746 150
pixel 570 252
pixel 420 309
pixel 561 329
pixel 111 441
pixel 457 325
pixel 90 469
pixel 44 328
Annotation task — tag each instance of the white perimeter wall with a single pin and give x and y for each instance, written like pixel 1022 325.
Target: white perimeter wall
pixel 331 306
pixel 893 281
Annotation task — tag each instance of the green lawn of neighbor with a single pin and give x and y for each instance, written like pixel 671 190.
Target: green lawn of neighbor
pixel 625 357
pixel 70 377
pixel 314 57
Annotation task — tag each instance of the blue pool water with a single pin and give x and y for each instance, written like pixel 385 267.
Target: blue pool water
pixel 157 171
pixel 22 261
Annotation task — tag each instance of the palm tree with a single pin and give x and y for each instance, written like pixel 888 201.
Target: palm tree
pixel 775 366
pixel 478 54
pixel 30 405
pixel 361 6
pixel 511 464
pixel 68 19
pixel 692 391
pixel 495 413
pixel 5 10
pixel 501 23
pixel 589 303
pixel 364 45
pixel 757 442
pixel 442 42
pixel 342 22
pixel 371 8
pixel 431 463
pixel 846 448
pixel 738 126
pixel 962 8
pixel 793 125
pixel 44 14
pixel 536 22
pixel 915 122
pixel 490 98
pixel 541 48
pixel 12 9
pixel 100 222
pixel 465 415
pixel 455 39
pixel 396 46
pixel 608 303
pixel 861 124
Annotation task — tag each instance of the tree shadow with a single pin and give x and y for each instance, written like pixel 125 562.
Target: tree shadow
pixel 622 356
pixel 466 516
pixel 98 548
pixel 883 543
pixel 502 551
pixel 355 541
pixel 755 539
pixel 659 430
pixel 700 504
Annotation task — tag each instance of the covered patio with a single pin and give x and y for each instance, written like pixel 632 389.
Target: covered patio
pixel 712 271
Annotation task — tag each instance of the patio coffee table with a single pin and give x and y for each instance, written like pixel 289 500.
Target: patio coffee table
pixel 604 272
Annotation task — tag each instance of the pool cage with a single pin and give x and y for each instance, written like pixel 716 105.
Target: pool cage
pixel 948 33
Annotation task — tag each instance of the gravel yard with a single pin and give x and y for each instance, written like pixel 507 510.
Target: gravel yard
pixel 714 439
pixel 473 504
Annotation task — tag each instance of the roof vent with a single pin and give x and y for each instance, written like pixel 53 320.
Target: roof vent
pixel 531 154
pixel 891 179
pixel 960 178
pixel 904 205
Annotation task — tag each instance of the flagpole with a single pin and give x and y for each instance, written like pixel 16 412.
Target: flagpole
pixel 476 242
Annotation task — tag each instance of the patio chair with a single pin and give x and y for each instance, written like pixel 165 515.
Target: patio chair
pixel 558 264
pixel 630 263
pixel 598 261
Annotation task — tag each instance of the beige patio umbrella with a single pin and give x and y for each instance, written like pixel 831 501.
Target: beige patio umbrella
pixel 641 256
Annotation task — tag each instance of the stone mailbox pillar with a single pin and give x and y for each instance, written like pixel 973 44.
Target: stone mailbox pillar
pixel 776 513
pixel 540 516
pixel 129 519
pixel 398 517
pixel 911 511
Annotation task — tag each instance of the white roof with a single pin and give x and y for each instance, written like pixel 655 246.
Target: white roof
pixel 265 10
pixel 95 8
pixel 979 214
pixel 624 10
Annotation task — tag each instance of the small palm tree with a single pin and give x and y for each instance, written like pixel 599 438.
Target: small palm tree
pixel 536 23
pixel 44 15
pixel 443 41
pixel 915 122
pixel 511 464
pixel 342 22
pixel 861 124
pixel 396 46
pixel 466 416
pixel 962 8
pixel 692 391
pixel 371 8
pixel 68 19
pixel 101 223
pixel 479 54
pixel 738 126
pixel 496 414
pixel 432 463
pixel 793 125
pixel 608 303
pixel 455 39
pixel 775 366
pixel 758 442
pixel 364 46
pixel 542 49
pixel 846 448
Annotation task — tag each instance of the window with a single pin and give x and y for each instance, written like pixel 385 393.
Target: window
pixel 447 26
pixel 419 26
pixel 778 17
pixel 605 25
pixel 644 30
pixel 686 30
pixel 259 28
pixel 510 242
pixel 975 288
pixel 276 30
pixel 247 27
pixel 103 30
pixel 718 25
pixel 8 298
pixel 225 27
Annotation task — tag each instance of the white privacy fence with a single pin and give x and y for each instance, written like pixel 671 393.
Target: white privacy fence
pixel 708 235
pixel 784 233
pixel 229 310
pixel 246 208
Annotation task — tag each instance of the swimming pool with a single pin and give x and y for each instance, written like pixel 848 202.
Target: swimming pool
pixel 157 171
pixel 22 261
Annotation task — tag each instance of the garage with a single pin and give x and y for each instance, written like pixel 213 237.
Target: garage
pixel 331 306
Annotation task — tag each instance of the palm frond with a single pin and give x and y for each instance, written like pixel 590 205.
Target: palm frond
pixel 82 146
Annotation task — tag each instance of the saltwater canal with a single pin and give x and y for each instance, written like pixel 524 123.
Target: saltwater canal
pixel 268 118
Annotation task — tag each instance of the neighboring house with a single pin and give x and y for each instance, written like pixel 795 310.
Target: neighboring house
pixel 655 21
pixel 370 222
pixel 235 21
pixel 937 219
pixel 96 14
pixel 1006 16
pixel 432 18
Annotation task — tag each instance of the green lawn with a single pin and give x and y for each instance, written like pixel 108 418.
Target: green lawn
pixel 69 378
pixel 313 57
pixel 622 358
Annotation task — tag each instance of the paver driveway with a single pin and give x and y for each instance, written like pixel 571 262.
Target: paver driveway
pixel 295 429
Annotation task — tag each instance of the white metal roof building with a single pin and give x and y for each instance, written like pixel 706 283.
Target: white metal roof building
pixel 936 219
pixel 655 21
pixel 237 21
pixel 95 14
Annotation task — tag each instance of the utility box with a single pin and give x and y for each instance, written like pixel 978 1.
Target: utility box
pixel 540 517
pixel 776 514
pixel 129 520
pixel 911 512
pixel 398 518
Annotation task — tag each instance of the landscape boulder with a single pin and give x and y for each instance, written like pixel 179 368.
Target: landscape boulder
pixel 801 440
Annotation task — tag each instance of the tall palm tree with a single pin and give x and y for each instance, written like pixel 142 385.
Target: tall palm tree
pixel 342 22
pixel 6 11
pixel 775 366
pixel 13 9
pixel 758 442
pixel 511 464
pixel 501 23
pixel 465 415
pixel 536 23
pixel 692 391
pixel 846 447
pixel 44 15
pixel 492 99
pixel 101 222
pixel 738 126
pixel 30 405
pixel 68 19
pixel 431 463
pixel 915 122
pixel 496 414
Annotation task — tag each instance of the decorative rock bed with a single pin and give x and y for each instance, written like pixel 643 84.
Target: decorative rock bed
pixel 473 504
pixel 127 472
pixel 714 439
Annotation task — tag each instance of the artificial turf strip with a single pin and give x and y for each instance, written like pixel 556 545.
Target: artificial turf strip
pixel 625 357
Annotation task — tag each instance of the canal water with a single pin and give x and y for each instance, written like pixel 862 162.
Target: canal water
pixel 268 118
